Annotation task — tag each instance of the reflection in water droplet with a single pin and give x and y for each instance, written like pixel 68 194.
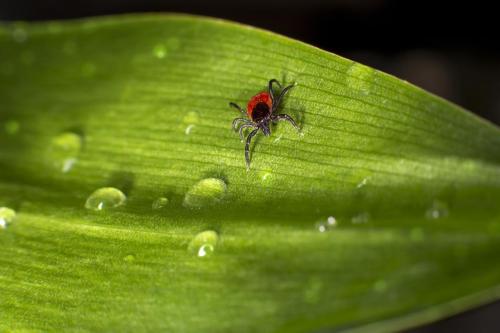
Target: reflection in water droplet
pixel 206 192
pixel 11 127
pixel 129 258
pixel 360 218
pixel 160 203
pixel 278 138
pixel 160 51
pixel 188 129
pixel 64 150
pixel 362 183
pixel 19 34
pixel 7 216
pixel 204 243
pixel 105 198
pixel 437 210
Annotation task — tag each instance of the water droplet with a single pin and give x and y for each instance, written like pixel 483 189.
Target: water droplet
pixel 188 129
pixel 7 216
pixel 160 203
pixel 19 34
pixel 360 218
pixel 88 69
pixel 129 258
pixel 105 198
pixel 437 210
pixel 160 51
pixel 192 117
pixel 324 226
pixel 359 77
pixel 362 183
pixel 278 138
pixel 206 192
pixel 266 176
pixel 64 150
pixel 204 243
pixel 11 127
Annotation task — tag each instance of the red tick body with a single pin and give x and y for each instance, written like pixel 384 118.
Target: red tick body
pixel 261 111
pixel 259 106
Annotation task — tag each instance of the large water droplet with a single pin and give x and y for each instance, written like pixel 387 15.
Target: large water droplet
pixel 7 216
pixel 105 198
pixel 204 243
pixel 160 203
pixel 206 192
pixel 129 258
pixel 437 210
pixel 64 150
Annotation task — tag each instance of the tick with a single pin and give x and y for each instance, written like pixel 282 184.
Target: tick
pixel 261 111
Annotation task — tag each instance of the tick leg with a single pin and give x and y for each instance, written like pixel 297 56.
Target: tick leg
pixel 247 147
pixel 286 117
pixel 243 127
pixel 271 93
pixel 278 100
pixel 238 120
pixel 237 107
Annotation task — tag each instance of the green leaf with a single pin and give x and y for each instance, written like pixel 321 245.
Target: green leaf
pixel 381 214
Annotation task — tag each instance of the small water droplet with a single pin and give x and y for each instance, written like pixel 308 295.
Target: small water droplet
pixel 64 150
pixel 160 51
pixel 360 218
pixel 105 198
pixel 437 210
pixel 11 127
pixel 88 69
pixel 129 258
pixel 278 138
pixel 324 226
pixel 192 117
pixel 359 77
pixel 206 192
pixel 19 34
pixel 7 216
pixel 362 183
pixel 188 129
pixel 160 203
pixel 204 243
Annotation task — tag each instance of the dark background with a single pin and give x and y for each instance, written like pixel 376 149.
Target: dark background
pixel 448 48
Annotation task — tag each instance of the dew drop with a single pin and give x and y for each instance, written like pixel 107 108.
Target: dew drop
pixel 129 258
pixel 19 34
pixel 64 150
pixel 324 226
pixel 206 192
pixel 192 117
pixel 360 218
pixel 105 198
pixel 362 183
pixel 188 129
pixel 204 243
pixel 160 51
pixel 7 216
pixel 160 203
pixel 437 210
pixel 359 77
pixel 11 127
